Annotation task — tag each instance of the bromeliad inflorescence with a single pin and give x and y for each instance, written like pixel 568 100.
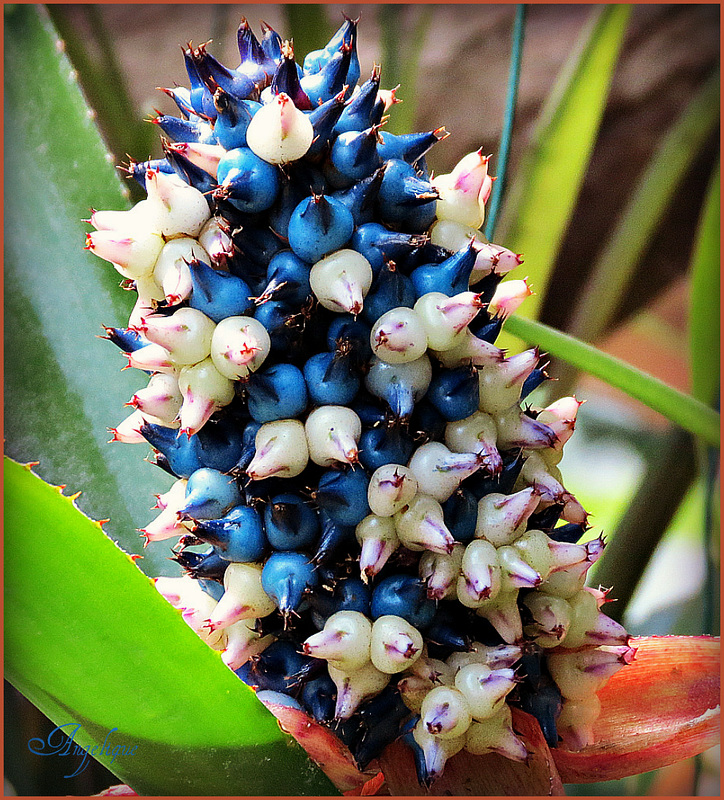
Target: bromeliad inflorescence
pixel 371 526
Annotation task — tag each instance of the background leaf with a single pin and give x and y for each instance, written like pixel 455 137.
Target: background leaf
pixel 545 190
pixel 63 386
pixel 614 270
pixel 686 411
pixel 82 642
pixel 704 324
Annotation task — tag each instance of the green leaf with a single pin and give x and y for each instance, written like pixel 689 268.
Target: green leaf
pixel 63 386
pixel 638 223
pixel 90 641
pixel 544 193
pixel 684 410
pixel 705 299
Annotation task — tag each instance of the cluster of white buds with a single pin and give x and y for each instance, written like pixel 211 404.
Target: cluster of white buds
pixel 367 518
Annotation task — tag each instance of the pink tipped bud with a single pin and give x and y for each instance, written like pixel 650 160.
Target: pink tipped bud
pixel 461 309
pixel 486 189
pixel 129 431
pixel 243 598
pixel 561 418
pixel 493 258
pixel 573 511
pixel 495 735
pixel 167 525
pixel 508 297
pixel 436 750
pixel 517 573
pixel 132 254
pixel 389 98
pixel 517 429
pixel 439 471
pixel 161 398
pixel 151 358
pixel 421 526
pixel 217 244
pixel 500 515
pixel 204 390
pixel 471 350
pixel 204 156
pixel 479 574
pixel 500 385
pixel 281 450
pixel 606 631
pixel 440 572
pixel 186 334
pixel 503 614
pixel 243 643
pixel 194 603
pixel 355 687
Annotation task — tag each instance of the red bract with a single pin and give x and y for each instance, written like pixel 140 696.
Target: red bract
pixel 661 709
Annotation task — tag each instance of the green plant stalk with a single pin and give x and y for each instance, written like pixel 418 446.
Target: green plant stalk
pixel 704 298
pixel 684 410
pixel 542 198
pixel 516 56
pixel 622 253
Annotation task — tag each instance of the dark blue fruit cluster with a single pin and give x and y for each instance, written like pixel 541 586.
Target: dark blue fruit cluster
pixel 370 526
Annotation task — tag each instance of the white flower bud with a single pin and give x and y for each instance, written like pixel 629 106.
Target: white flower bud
pixel 421 526
pixel 281 450
pixel 239 346
pixel 445 712
pixel 480 574
pixel 379 540
pixel 332 435
pixel 132 253
pixel 445 318
pixel 395 644
pixel 179 209
pixel 501 515
pixel 391 487
pixel 242 643
pixel 398 336
pixel 243 597
pixel 503 614
pixel 495 735
pixel 279 132
pixel 356 686
pixel 341 280
pixel 172 271
pixel 344 642
pixel 186 334
pixel 439 472
pixel 204 390
pixel 161 398
pixel 441 571
pixel 195 604
pixel 476 434
pixel 484 689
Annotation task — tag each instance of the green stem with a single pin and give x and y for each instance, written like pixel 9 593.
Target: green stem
pixel 684 410
pixel 506 135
